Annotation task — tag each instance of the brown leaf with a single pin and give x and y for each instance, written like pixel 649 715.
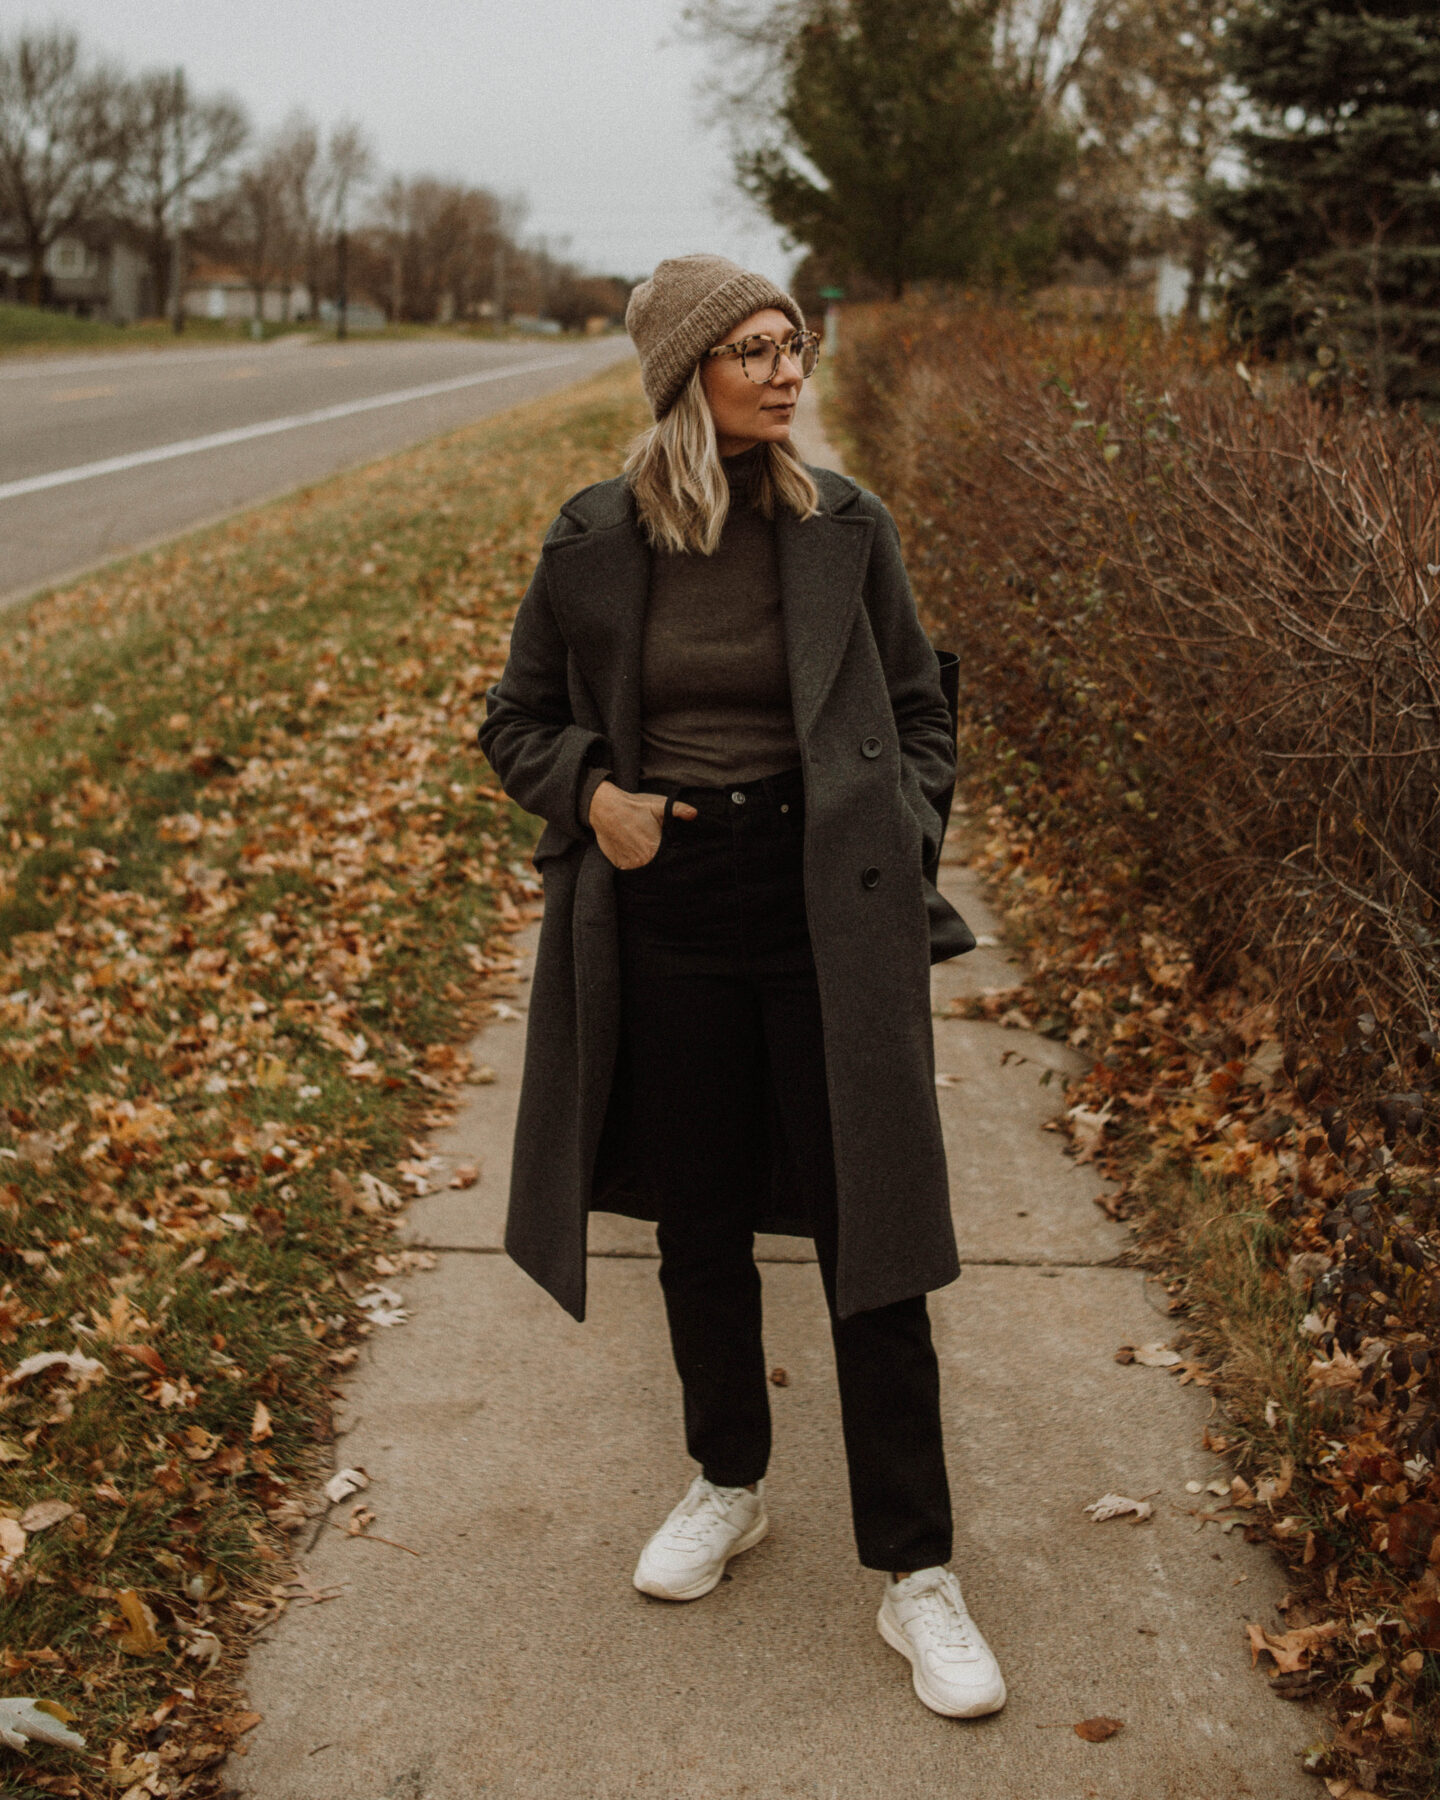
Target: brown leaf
pixel 239 1723
pixel 260 1426
pixel 12 1544
pixel 1271 1488
pixel 1293 1649
pixel 465 1175
pixel 344 1191
pixel 143 1353
pixel 42 1514
pixel 142 1638
pixel 779 1378
pixel 1412 1531
pixel 1096 1730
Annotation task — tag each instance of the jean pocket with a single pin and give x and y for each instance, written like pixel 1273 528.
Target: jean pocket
pixel 660 851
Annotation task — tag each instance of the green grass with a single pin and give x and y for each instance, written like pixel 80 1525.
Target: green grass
pixel 28 330
pixel 254 886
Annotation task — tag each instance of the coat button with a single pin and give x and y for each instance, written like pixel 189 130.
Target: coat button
pixel 871 877
pixel 871 747
pixel 738 796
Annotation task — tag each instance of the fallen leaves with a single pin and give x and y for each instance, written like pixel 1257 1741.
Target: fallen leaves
pixel 85 1370
pixel 344 1483
pixel 13 1538
pixel 252 899
pixel 40 1515
pixel 1096 1730
pixel 24 1722
pixel 1114 1506
pixel 1291 1650
pixel 1151 1356
pixel 382 1305
pixel 1087 1129
pixel 141 1636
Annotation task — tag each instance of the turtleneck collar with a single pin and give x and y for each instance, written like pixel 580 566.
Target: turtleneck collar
pixel 742 470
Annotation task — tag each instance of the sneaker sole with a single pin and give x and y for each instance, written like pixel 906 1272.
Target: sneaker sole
pixel 898 1641
pixel 746 1541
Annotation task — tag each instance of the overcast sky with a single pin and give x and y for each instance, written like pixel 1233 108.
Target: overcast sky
pixel 588 107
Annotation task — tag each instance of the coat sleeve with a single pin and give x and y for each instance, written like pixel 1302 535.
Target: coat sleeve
pixel 543 758
pixel 912 675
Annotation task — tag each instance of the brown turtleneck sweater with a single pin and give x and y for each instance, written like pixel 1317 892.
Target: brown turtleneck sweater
pixel 714 683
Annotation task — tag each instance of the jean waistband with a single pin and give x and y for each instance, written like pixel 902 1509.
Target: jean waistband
pixel 782 792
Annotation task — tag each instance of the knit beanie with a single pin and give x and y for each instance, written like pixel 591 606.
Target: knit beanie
pixel 687 305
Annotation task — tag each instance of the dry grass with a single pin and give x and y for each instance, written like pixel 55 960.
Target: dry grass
pixel 255 887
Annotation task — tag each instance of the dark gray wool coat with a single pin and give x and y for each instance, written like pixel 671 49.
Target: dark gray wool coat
pixel 878 755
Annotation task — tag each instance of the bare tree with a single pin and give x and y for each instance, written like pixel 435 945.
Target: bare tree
pixel 391 234
pixel 349 162
pixel 441 245
pixel 178 145
pixel 260 224
pixel 306 184
pixel 1156 117
pixel 1046 43
pixel 62 141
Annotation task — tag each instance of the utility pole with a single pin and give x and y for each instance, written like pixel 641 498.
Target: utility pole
pixel 177 222
pixel 342 280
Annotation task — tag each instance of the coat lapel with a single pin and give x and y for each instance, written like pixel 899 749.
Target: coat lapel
pixel 822 571
pixel 599 583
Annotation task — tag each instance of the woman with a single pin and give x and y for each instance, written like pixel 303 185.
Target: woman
pixel 720 700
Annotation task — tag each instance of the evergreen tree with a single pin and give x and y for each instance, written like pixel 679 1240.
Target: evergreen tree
pixel 902 152
pixel 1338 224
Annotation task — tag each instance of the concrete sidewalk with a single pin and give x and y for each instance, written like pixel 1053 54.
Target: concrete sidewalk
pixel 526 1458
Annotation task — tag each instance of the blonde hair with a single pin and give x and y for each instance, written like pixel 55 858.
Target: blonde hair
pixel 675 472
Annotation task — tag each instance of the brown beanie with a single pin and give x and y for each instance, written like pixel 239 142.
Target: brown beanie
pixel 687 305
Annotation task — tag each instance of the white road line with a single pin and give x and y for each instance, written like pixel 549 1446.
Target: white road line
pixel 240 434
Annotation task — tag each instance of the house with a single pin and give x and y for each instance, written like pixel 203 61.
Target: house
pixel 95 272
pixel 217 290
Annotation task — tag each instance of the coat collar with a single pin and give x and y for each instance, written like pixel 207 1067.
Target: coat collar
pixel 599 575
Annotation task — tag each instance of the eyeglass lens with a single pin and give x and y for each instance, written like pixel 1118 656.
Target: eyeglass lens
pixel 760 358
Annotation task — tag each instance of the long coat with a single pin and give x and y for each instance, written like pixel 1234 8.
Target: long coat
pixel 878 754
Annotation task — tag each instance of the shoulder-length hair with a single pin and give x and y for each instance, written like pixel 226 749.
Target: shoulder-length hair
pixel 675 472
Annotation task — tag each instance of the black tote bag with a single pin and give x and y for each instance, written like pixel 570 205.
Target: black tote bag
pixel 949 934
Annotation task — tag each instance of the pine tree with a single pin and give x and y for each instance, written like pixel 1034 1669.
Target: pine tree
pixel 897 149
pixel 1337 227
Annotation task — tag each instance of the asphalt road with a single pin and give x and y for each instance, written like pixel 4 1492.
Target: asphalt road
pixel 101 455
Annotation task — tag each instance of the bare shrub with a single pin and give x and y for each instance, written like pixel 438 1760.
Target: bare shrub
pixel 1197 615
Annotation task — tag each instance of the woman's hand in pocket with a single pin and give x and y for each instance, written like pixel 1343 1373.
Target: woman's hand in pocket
pixel 627 826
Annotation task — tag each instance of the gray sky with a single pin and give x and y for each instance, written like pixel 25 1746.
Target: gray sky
pixel 587 106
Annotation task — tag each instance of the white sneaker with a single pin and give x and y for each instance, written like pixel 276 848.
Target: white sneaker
pixel 925 1618
pixel 687 1555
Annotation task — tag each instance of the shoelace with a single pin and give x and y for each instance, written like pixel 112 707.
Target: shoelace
pixel 696 1522
pixel 945 1618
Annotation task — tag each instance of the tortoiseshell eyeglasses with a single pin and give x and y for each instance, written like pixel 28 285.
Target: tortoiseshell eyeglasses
pixel 760 355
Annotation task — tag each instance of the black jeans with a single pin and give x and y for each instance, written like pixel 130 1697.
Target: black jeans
pixel 722 1035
